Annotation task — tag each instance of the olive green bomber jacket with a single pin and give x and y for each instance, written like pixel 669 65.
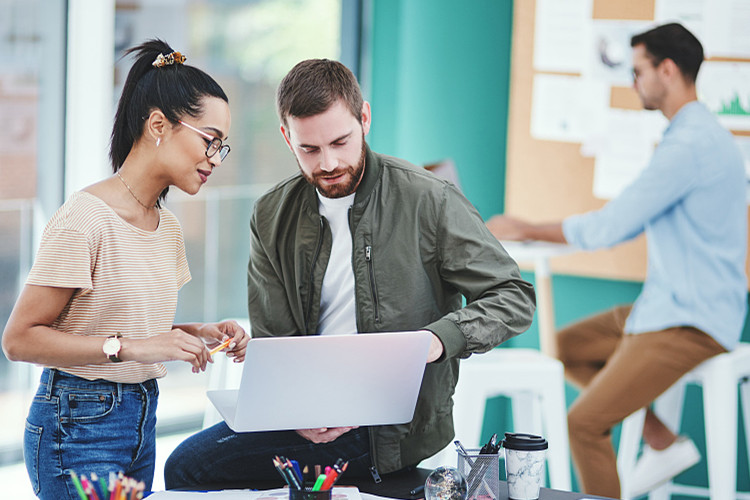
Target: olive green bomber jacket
pixel 418 247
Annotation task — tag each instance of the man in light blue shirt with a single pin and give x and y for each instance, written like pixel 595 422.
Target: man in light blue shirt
pixel 690 203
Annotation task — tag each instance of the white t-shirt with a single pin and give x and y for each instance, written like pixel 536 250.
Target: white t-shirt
pixel 338 313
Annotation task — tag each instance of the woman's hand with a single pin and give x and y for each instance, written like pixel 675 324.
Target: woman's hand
pixel 177 345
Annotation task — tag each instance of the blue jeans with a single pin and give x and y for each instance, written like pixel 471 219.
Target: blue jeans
pixel 88 426
pixel 219 456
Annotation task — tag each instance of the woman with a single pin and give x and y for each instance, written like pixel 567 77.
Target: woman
pixel 98 307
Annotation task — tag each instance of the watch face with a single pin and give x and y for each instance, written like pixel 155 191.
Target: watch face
pixel 111 346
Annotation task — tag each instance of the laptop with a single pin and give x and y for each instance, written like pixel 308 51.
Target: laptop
pixel 308 382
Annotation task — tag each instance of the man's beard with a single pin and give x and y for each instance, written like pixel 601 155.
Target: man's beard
pixel 341 189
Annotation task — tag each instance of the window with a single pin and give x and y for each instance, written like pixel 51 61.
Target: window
pixel 247 45
pixel 31 103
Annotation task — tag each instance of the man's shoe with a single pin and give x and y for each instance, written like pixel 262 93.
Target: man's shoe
pixel 656 467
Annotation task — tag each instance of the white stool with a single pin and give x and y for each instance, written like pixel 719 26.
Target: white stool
pixel 535 384
pixel 719 377
pixel 223 374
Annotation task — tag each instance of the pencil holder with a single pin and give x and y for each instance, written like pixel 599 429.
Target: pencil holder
pixel 482 473
pixel 309 494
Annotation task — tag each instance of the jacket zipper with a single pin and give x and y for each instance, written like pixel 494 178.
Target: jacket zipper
pixel 373 468
pixel 312 275
pixel 368 258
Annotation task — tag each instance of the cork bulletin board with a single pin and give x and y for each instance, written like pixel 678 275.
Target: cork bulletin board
pixel 548 180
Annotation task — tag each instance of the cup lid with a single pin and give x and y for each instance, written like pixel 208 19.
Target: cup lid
pixel 524 442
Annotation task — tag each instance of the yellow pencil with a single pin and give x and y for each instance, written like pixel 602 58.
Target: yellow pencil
pixel 221 346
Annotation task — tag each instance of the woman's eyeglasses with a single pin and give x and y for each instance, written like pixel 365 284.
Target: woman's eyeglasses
pixel 215 146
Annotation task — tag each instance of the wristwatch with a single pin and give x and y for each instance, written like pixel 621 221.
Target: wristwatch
pixel 112 346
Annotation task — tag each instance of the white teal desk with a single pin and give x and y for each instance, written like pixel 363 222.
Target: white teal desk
pixel 538 253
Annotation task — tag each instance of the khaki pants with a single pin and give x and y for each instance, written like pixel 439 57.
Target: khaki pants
pixel 618 374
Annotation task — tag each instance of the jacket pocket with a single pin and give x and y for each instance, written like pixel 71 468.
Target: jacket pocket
pixel 435 403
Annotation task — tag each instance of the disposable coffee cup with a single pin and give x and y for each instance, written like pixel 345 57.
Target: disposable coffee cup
pixel 524 464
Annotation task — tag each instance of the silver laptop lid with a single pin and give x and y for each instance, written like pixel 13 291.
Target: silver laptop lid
pixel 330 381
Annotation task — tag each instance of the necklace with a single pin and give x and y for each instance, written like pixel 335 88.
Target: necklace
pixel 132 193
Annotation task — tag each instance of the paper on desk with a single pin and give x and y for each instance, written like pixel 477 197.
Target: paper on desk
pixel 339 493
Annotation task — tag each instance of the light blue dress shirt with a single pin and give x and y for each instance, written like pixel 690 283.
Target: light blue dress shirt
pixel 690 202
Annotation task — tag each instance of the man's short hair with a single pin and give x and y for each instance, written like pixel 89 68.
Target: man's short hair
pixel 313 86
pixel 673 41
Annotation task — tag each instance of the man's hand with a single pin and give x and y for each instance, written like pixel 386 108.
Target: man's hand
pixel 323 434
pixel 504 227
pixel 436 349
pixel 216 333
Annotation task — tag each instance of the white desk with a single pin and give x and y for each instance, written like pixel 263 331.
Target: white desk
pixel 538 253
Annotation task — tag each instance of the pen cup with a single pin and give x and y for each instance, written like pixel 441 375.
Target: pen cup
pixel 482 473
pixel 309 494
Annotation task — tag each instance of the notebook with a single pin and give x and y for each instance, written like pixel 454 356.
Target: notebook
pixel 307 382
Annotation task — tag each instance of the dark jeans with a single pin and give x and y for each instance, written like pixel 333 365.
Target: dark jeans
pixel 219 456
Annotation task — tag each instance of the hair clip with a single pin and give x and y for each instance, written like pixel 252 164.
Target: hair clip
pixel 168 60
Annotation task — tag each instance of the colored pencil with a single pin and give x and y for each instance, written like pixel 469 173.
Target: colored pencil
pixel 277 464
pixel 111 487
pixel 77 484
pixel 88 488
pixel 220 346
pixel 343 469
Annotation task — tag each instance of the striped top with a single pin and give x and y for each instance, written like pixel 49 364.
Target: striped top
pixel 126 279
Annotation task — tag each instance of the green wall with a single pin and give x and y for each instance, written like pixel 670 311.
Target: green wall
pixel 439 80
pixel 439 88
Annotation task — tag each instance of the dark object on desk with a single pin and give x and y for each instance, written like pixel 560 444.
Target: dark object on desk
pixel 308 494
pixel 397 485
pixel 419 490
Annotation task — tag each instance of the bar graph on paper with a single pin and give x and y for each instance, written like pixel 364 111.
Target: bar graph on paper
pixel 725 88
pixel 734 107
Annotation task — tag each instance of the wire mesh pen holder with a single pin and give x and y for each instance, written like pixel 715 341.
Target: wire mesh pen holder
pixel 482 473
